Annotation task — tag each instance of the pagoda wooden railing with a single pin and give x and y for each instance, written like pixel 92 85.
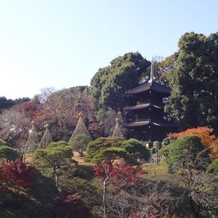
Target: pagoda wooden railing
pixel 147 118
pixel 147 102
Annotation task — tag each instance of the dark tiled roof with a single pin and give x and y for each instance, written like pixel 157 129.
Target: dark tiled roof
pixel 151 85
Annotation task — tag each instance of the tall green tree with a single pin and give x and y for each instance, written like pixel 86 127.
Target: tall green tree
pixel 110 83
pixel 5 103
pixel 194 80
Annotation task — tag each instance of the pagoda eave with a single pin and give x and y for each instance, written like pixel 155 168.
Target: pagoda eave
pixel 147 122
pixel 149 86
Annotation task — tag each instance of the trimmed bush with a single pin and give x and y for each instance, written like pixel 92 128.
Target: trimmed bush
pixel 157 144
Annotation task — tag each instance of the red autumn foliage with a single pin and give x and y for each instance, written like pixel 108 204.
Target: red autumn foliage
pixel 205 133
pixel 122 176
pixel 30 109
pixel 172 135
pixel 214 150
pixel 60 111
pixel 120 173
pixel 16 174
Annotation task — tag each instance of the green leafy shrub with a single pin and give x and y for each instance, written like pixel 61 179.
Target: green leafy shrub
pixel 213 167
pixel 165 142
pixel 83 172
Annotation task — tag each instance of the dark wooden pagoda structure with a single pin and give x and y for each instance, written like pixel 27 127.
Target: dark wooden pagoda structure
pixel 146 120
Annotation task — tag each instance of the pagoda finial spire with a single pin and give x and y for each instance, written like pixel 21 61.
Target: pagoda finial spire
pixel 152 71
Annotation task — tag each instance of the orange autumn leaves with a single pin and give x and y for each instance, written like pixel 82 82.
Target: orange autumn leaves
pixel 208 139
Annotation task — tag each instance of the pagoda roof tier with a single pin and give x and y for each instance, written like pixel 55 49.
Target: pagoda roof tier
pixel 142 106
pixel 150 85
pixel 147 122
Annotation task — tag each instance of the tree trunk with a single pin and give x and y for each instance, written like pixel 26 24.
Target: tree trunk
pixel 104 197
pixel 56 179
pixel 196 214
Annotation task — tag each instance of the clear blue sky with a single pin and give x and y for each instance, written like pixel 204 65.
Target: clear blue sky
pixel 63 43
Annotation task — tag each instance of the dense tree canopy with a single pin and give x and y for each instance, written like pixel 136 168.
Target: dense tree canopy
pixel 194 80
pixel 55 155
pixel 5 103
pixel 99 144
pixel 113 148
pixel 183 151
pixel 135 149
pixel 110 83
pixel 8 103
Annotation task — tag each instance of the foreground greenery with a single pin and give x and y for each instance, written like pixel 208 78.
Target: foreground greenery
pixel 39 200
pixel 184 184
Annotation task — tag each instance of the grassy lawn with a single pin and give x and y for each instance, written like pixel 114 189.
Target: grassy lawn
pixel 158 171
